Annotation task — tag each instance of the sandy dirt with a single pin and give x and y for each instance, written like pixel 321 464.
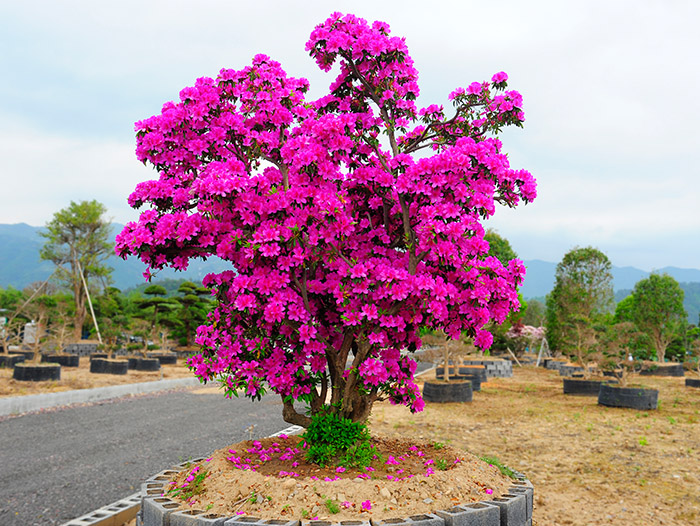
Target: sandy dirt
pixel 590 465
pixel 409 478
pixel 82 378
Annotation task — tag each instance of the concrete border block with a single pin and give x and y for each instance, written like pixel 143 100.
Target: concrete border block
pixel 513 509
pixel 157 485
pixel 339 523
pixel 528 493
pixel 115 514
pixel 426 519
pixel 476 514
pixel 246 520
pixel 197 518
pixel 156 511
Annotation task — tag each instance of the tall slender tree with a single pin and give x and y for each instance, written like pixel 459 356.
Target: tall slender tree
pixel 77 239
pixel 658 310
pixel 582 294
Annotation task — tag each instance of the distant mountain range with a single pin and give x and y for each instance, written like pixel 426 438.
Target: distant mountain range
pixel 20 265
pixel 540 277
pixel 539 281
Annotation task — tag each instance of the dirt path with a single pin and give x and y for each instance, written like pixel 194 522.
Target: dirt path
pixel 590 464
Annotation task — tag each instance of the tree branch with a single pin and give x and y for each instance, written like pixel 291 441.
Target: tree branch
pixel 290 415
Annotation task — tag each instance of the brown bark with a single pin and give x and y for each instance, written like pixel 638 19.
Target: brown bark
pixel 290 415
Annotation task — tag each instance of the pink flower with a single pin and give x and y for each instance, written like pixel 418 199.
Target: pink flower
pixel 366 505
pixel 346 504
pixel 499 77
pixel 489 491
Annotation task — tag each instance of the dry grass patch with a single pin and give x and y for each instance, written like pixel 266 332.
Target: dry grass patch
pixel 590 464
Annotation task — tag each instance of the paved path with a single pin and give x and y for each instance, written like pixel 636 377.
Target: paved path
pixel 63 463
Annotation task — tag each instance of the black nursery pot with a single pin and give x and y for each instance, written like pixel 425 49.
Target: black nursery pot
pixel 147 364
pixel 577 386
pixel 675 369
pixel 98 355
pixel 630 397
pixel 66 360
pixel 460 391
pixel 692 382
pixel 104 366
pixel 9 360
pixel 36 373
pixel 164 359
pixel 475 379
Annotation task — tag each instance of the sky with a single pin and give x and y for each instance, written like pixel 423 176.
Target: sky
pixel 610 90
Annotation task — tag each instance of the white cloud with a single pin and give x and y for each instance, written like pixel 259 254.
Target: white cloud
pixel 44 173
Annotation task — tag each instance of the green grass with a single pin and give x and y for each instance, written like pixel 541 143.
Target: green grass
pixel 505 470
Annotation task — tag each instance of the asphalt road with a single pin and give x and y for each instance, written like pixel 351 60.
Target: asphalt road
pixel 60 464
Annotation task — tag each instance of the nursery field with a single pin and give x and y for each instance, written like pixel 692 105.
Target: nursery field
pixel 82 378
pixel 590 464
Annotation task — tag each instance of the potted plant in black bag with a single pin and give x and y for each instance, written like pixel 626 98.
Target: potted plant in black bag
pixel 619 358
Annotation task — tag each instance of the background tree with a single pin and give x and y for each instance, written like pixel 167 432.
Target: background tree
pixel 111 311
pixel 624 310
pixel 61 323
pixel 11 301
pixel 344 239
pixel 692 358
pixel 153 308
pixel 658 310
pixel 194 307
pixel 638 343
pixel 499 247
pixel 581 297
pixel 37 308
pixel 616 343
pixel 535 313
pixel 78 238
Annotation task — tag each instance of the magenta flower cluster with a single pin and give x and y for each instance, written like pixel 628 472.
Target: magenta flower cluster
pixel 344 238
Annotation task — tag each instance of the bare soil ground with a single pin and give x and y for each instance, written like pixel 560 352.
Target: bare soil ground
pixel 589 464
pixel 273 480
pixel 82 378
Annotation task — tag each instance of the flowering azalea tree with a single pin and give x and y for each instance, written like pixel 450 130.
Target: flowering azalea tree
pixel 523 336
pixel 344 239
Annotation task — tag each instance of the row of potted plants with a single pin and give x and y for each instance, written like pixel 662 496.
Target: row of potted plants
pixel 36 366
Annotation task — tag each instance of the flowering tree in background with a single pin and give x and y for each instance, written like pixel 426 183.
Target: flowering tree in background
pixel 522 337
pixel 342 241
